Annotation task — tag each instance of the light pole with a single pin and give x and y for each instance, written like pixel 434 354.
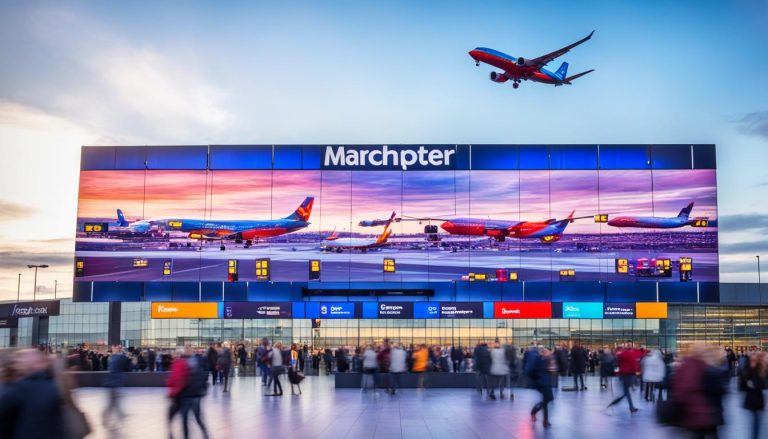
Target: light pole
pixel 34 291
pixel 18 289
pixel 55 287
pixel 758 272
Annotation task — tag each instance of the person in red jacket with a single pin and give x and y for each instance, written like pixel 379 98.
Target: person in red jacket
pixel 628 359
pixel 187 384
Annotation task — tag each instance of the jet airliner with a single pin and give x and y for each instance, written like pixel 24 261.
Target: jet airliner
pixel 219 230
pixel 334 243
pixel 524 69
pixel 655 222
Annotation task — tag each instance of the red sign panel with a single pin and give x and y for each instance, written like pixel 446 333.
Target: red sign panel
pixel 522 310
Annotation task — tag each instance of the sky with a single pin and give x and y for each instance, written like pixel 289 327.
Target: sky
pixel 345 72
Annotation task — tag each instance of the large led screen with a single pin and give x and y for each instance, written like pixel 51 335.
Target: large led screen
pixel 341 223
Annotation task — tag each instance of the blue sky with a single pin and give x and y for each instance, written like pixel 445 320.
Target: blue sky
pixel 78 73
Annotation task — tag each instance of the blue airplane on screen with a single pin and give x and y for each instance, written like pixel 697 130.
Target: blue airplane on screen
pixel 220 230
pixel 655 222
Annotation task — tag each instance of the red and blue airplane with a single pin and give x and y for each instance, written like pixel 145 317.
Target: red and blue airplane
pixel 655 222
pixel 523 69
pixel 220 230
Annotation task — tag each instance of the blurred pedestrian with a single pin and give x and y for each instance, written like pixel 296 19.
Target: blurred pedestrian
pixel 118 365
pixel 396 368
pixel 212 358
pixel 30 403
pixel 224 363
pixel 498 371
pixel 277 368
pixel 628 359
pixel 578 366
pixel 607 366
pixel 262 361
pixel 421 364
pixel 369 369
pixel 187 384
pixel 697 390
pixel 653 372
pixel 540 367
pixel 481 360
pixel 754 386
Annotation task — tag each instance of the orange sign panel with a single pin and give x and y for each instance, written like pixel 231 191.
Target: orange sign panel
pixel 185 310
pixel 651 310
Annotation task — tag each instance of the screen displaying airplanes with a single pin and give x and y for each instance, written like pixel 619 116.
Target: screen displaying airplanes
pixel 397 225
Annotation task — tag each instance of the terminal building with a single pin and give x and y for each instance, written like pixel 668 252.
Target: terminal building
pixel 344 245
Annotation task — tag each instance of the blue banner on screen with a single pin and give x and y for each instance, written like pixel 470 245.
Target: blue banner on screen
pixel 395 310
pixel 257 310
pixel 338 310
pixel 619 310
pixel 461 310
pixel 426 310
pixel 582 310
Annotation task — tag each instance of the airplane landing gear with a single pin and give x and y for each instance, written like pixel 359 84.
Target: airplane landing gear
pixel 477 63
pixel 248 243
pixel 222 248
pixel 515 84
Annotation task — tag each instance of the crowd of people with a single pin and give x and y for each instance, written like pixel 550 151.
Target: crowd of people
pixel 688 389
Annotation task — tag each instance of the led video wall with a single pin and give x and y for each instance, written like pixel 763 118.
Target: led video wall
pixel 434 213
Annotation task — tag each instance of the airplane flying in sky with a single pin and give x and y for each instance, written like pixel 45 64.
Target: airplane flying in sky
pixel 655 222
pixel 524 69
pixel 237 230
pixel 333 243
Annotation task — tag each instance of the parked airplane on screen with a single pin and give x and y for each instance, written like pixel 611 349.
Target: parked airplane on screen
pixel 655 222
pixel 334 243
pixel 547 231
pixel 220 230
pixel 523 69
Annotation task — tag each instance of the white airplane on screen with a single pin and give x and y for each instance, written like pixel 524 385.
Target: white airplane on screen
pixel 334 243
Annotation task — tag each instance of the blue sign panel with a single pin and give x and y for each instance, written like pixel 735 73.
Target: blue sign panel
pixel 461 310
pixel 619 310
pixel 395 310
pixel 389 157
pixel 257 310
pixel 426 310
pixel 582 310
pixel 337 310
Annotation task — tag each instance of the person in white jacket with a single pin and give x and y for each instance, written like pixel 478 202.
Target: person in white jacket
pixel 397 367
pixel 654 371
pixel 499 370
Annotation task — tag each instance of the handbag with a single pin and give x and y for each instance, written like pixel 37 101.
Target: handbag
pixel 75 424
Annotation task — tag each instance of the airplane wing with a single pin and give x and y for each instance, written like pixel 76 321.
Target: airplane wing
pixel 576 76
pixel 545 59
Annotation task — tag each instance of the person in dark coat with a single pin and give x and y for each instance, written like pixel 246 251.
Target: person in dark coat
pixel 224 363
pixel 457 357
pixel 561 359
pixel 578 366
pixel 30 404
pixel 212 358
pixel 151 359
pixel 754 386
pixel 698 392
pixel 482 365
pixel 540 367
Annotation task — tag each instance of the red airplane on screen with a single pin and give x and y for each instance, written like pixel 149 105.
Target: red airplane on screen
pixel 523 69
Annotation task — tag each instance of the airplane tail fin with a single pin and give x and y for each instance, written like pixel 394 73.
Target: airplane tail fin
pixel 333 236
pixel 562 71
pixel 685 211
pixel 121 218
pixel 387 231
pixel 576 76
pixel 303 211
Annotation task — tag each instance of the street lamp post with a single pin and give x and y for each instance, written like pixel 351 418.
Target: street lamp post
pixel 55 287
pixel 34 291
pixel 758 272
pixel 18 289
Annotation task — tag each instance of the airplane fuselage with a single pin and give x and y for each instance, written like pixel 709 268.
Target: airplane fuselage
pixel 350 243
pixel 509 65
pixel 244 229
pixel 502 228
pixel 649 222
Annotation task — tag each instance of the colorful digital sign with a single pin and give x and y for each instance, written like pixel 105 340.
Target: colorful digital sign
pixel 426 310
pixel 185 310
pixel 619 310
pixel 651 310
pixel 39 308
pixel 522 310
pixel 257 310
pixel 337 310
pixel 461 310
pixel 395 310
pixel 582 310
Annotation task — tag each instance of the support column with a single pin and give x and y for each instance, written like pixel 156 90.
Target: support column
pixel 113 329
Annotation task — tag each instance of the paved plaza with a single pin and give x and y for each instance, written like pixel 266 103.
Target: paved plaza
pixel 324 412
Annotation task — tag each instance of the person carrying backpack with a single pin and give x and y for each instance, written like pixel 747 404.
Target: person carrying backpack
pixel 187 384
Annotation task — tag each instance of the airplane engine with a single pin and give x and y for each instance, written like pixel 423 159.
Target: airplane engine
pixel 498 77
pixel 521 61
pixel 550 238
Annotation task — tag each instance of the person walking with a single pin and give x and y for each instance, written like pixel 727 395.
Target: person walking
pixel 187 384
pixel 629 365
pixel 457 358
pixel 262 361
pixel 578 366
pixel 370 368
pixel 397 368
pixel 481 360
pixel 653 371
pixel 212 358
pixel 540 367
pixel 276 360
pixel 421 364
pixel 498 371
pixel 118 365
pixel 754 387
pixel 607 366
pixel 224 363
pixel 698 391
